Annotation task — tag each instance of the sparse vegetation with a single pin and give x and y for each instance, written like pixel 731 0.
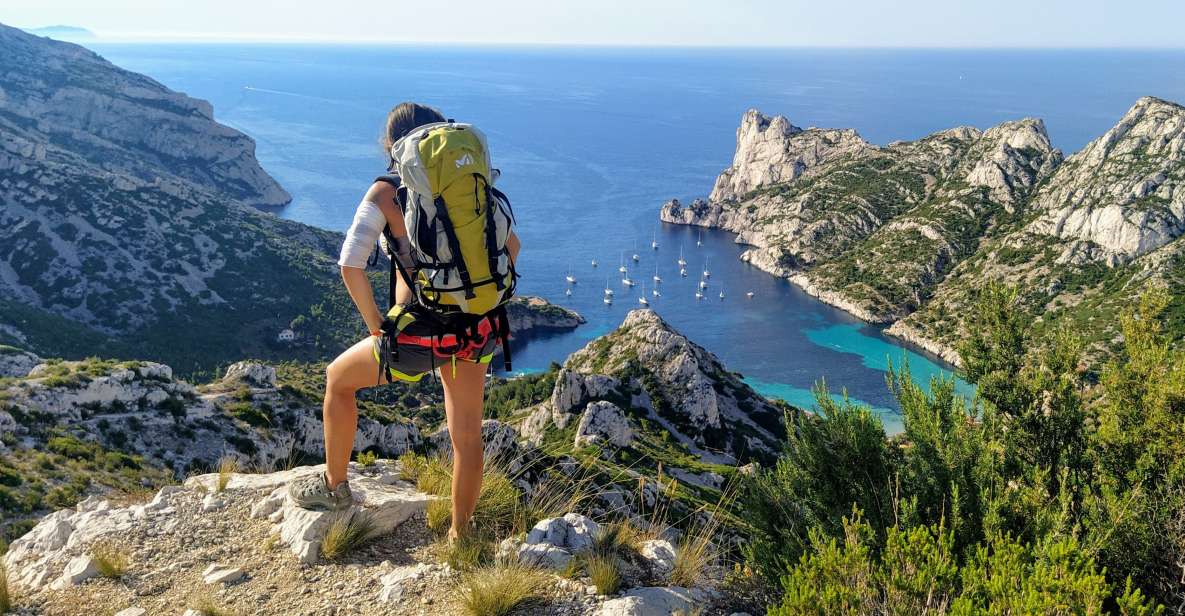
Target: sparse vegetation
pixel 110 560
pixel 366 458
pixel 207 605
pixel 347 532
pixel 439 515
pixel 603 571
pixel 5 597
pixel 227 467
pixel 468 551
pixel 500 589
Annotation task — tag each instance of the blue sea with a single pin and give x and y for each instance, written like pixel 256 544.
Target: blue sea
pixel 591 141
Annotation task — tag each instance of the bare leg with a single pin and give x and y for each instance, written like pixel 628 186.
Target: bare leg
pixel 463 396
pixel 352 370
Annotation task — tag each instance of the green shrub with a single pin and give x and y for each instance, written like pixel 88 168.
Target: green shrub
pixel 1043 495
pixel 366 458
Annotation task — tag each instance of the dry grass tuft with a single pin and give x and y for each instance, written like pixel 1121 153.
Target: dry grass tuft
pixel 468 552
pixel 227 467
pixel 111 561
pixel 5 598
pixel 499 590
pixel 206 605
pixel 346 533
pixel 270 542
pixel 603 572
pixel 439 515
pixel 697 551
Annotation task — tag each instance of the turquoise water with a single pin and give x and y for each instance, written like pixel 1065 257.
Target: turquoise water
pixel 592 141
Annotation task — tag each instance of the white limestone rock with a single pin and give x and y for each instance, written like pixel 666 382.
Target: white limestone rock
pixel 222 574
pixel 386 501
pixel 772 150
pixel 394 581
pixel 132 611
pixel 603 422
pixel 553 542
pixel 251 373
pixel 79 570
pixel 653 601
pixel 659 555
pixel 16 363
pixel 1124 191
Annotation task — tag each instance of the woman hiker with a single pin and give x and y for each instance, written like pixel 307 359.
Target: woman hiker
pixel 396 349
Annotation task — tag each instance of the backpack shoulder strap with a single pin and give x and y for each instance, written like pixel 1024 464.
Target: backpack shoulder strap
pixel 397 184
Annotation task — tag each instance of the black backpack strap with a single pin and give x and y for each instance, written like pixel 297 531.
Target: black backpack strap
pixel 500 321
pixel 454 247
pixel 491 234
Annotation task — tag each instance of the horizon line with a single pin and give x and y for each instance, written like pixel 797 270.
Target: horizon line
pixel 216 39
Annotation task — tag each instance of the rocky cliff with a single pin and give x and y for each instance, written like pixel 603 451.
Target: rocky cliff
pixel 902 234
pixel 127 223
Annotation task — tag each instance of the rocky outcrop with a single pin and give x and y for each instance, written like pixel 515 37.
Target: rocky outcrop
pixel 903 234
pixel 15 363
pixel 774 151
pixel 381 498
pixel 141 409
pixel 603 422
pixel 649 366
pixel 1102 229
pixel 1123 195
pixel 531 315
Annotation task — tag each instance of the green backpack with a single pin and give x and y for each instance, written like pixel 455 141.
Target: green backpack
pixel 457 224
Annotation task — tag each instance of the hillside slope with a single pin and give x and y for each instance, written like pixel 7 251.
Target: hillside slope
pixel 904 234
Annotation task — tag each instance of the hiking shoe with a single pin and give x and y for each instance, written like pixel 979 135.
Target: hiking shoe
pixel 312 492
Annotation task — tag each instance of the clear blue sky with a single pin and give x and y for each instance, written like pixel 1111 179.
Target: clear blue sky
pixel 844 23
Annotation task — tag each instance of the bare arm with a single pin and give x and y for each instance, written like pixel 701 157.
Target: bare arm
pixel 357 283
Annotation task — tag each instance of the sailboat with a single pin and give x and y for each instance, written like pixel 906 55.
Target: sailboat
pixel 627 282
pixel 654 241
pixel 683 272
pixel 568 292
pixel 608 291
pixel 642 298
pixel 699 294
pixel 707 273
pixel 623 269
pixel 721 291
pixel 608 299
pixel 655 292
pixel 703 284
pixel 700 241
pixel 682 262
pixel 749 295
pixel 594 262
pixel 570 278
pixel 657 278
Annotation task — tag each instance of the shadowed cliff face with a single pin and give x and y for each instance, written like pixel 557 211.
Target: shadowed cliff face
pixel 64 104
pixel 902 234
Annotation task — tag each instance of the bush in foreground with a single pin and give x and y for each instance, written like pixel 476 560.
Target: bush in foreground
pixel 1047 493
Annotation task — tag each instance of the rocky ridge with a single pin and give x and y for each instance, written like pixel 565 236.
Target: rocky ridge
pixel 234 537
pixel 182 552
pixel 903 234
pixel 641 410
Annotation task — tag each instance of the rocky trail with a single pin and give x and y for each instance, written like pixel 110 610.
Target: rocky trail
pixel 245 550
